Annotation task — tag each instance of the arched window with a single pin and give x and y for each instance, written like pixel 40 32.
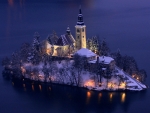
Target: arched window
pixel 83 30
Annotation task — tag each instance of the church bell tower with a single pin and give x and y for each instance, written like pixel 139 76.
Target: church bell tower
pixel 80 32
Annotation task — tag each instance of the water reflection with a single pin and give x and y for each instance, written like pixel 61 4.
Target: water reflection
pixel 40 87
pixel 123 97
pixel 11 2
pixel 77 99
pixel 88 96
pixel 13 83
pixel 32 87
pixel 21 3
pixel 110 96
pixel 24 86
pixel 49 88
pixel 99 97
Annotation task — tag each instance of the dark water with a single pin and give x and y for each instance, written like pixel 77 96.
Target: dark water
pixel 125 24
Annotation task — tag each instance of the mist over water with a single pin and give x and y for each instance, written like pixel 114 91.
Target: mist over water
pixel 124 24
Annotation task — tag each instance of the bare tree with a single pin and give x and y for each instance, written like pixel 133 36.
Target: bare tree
pixel 79 64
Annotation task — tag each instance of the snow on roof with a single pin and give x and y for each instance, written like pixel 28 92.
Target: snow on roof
pixel 85 52
pixel 104 59
pixel 65 40
pixel 103 68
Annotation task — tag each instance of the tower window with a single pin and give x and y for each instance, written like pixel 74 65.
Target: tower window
pixel 83 30
pixel 78 37
pixel 83 36
pixel 78 30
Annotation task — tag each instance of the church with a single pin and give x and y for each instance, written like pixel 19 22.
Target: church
pixel 66 44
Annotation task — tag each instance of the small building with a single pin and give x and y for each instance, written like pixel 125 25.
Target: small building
pixel 105 61
pixel 87 53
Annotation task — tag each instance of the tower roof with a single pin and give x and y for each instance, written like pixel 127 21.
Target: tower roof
pixel 68 30
pixel 80 17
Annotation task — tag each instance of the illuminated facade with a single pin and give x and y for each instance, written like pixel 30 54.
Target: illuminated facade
pixel 66 45
pixel 62 46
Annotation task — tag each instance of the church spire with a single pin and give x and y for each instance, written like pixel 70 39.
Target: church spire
pixel 80 12
pixel 68 30
pixel 80 17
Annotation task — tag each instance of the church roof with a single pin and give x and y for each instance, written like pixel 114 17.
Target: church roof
pixel 65 40
pixel 85 52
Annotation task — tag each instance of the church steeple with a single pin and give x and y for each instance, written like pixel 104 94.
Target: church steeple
pixel 80 17
pixel 80 32
pixel 68 30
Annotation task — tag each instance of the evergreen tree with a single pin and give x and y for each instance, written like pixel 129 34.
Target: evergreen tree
pixel 25 49
pixel 142 75
pixel 52 39
pixel 35 55
pixel 104 49
pixel 6 62
pixel 16 64
pixel 93 44
pixel 118 59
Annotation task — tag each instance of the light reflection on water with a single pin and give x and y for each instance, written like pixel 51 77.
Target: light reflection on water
pixel 110 96
pixel 32 87
pixel 99 97
pixel 40 87
pixel 13 83
pixel 11 2
pixel 49 88
pixel 123 97
pixel 88 96
pixel 76 97
pixel 24 86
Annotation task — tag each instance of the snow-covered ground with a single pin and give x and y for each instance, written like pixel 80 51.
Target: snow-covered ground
pixel 131 82
pixel 64 74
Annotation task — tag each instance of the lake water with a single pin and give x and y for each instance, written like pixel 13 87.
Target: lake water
pixel 125 24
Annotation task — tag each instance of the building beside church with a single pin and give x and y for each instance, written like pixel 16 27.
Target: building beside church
pixel 66 44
